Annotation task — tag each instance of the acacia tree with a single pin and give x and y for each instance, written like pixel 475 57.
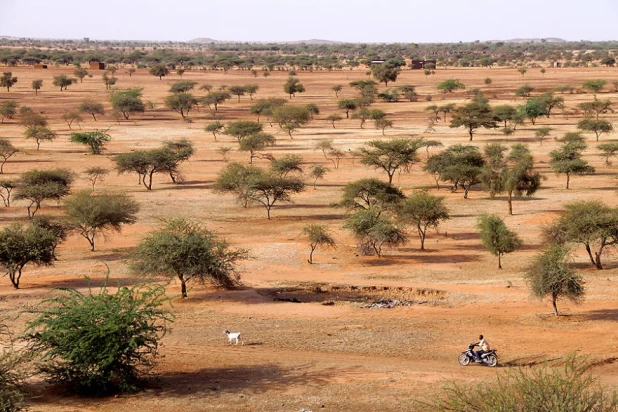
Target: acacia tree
pixel 7 150
pixel 7 80
pixel 598 127
pixel 255 143
pixel 127 102
pixel 63 81
pixel 269 188
pixel 385 72
pixel 189 252
pixel 8 109
pixel 337 89
pixel 108 81
pixel 318 172
pixel 21 245
pixel 251 89
pixel 292 86
pixel 30 118
pixel 36 86
pixel 533 109
pixel 252 184
pixel 423 210
pixel 94 140
pixel 243 128
pixel 181 103
pixel 383 124
pixel 590 223
pixel 542 132
pixel 91 107
pixel 450 85
pixel 568 158
pixel 374 230
pixel 459 164
pixel 550 102
pixel 159 70
pixel 38 134
pixel 39 185
pixel 214 99
pixel 214 128
pixel 71 117
pixel 183 86
pixel 550 275
pixel 80 73
pixel 143 162
pixel 238 91
pixel 238 179
pixel 318 236
pixel 391 155
pixel 595 86
pixel 6 188
pixel 261 107
pixel 608 150
pixel 327 148
pixel 524 91
pixel 290 117
pixel 496 237
pixel 472 116
pixel 596 108
pixel 287 164
pixel 90 214
pixel 334 118
pixel 347 105
pixel 505 113
pixel 446 109
pixel 95 174
pixel 370 193
pixel 513 175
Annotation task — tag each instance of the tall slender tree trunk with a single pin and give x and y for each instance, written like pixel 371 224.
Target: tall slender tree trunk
pixel 510 202
pixel 421 235
pixel 554 299
pixel 313 246
pixel 91 241
pixel 183 286
pixel 590 253
pixel 390 177
pixel 499 260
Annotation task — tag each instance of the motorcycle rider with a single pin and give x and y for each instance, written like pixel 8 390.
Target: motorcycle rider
pixel 484 345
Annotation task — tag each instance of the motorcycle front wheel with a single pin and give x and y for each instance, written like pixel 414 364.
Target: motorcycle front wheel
pixel 492 360
pixel 464 360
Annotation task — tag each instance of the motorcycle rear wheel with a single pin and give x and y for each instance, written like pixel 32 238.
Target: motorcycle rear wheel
pixel 463 360
pixel 492 360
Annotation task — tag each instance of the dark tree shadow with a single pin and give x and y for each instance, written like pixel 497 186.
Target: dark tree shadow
pixel 531 361
pixel 602 314
pixel 257 379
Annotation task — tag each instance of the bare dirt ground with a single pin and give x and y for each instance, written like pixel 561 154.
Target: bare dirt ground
pixel 330 351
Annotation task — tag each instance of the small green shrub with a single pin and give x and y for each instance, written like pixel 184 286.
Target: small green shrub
pixel 543 389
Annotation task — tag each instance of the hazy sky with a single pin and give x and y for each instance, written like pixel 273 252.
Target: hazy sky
pixel 418 21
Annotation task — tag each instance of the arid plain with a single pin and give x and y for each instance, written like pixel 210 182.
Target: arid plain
pixel 342 355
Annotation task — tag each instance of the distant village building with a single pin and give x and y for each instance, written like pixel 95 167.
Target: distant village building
pixel 376 62
pixel 97 66
pixel 422 64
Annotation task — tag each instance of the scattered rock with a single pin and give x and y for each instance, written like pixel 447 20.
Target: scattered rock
pixel 387 304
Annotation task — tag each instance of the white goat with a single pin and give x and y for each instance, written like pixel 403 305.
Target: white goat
pixel 233 336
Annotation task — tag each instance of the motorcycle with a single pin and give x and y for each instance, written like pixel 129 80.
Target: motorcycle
pixel 489 358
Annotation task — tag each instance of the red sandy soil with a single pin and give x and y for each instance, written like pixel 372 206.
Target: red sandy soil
pixel 341 356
